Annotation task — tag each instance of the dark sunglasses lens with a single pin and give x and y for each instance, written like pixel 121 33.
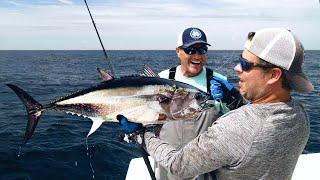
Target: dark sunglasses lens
pixel 190 50
pixel 203 50
pixel 244 64
pixel 193 50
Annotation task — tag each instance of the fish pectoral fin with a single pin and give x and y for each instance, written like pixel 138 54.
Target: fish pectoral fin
pixel 96 123
pixel 145 116
pixel 139 114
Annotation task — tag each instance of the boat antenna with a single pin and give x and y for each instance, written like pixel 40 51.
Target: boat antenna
pixel 104 51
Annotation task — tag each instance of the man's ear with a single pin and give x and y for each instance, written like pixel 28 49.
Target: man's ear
pixel 275 75
pixel 178 51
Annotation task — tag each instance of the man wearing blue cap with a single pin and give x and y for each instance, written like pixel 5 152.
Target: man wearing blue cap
pixel 191 49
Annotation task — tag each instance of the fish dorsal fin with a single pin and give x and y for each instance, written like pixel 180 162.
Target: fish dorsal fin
pixel 147 71
pixel 104 74
pixel 96 123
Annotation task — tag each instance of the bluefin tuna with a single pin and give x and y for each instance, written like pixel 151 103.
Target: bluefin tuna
pixel 146 100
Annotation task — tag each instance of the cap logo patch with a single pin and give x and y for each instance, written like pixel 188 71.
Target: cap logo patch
pixel 195 34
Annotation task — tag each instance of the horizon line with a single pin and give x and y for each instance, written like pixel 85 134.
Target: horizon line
pixel 123 50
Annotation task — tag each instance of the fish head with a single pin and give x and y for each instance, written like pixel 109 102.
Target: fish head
pixel 183 103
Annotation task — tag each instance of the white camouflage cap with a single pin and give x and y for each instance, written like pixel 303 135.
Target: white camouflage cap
pixel 280 47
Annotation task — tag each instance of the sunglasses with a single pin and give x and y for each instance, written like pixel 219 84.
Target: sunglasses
pixel 246 65
pixel 193 50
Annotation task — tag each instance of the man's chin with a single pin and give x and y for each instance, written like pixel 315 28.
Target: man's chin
pixel 193 73
pixel 195 70
pixel 243 94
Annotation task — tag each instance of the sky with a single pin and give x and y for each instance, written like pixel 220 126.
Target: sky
pixel 149 24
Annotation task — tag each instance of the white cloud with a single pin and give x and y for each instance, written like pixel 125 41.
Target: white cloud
pixel 66 1
pixel 14 3
pixel 155 25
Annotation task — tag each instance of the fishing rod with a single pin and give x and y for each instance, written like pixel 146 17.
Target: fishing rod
pixel 104 51
pixel 147 162
pixel 144 153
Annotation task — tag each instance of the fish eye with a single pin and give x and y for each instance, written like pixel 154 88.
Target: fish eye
pixel 198 96
pixel 163 99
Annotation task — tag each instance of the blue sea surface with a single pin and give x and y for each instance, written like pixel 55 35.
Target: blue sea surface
pixel 58 149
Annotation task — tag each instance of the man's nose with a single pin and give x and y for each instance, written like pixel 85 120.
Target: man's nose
pixel 238 68
pixel 197 54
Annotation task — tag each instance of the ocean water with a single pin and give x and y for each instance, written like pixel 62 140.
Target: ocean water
pixel 59 149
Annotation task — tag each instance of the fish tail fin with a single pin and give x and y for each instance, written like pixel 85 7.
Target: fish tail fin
pixel 33 108
pixel 96 123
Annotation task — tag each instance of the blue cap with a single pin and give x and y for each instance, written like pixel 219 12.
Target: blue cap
pixel 191 36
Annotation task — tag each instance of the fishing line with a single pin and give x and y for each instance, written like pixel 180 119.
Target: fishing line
pixel 104 51
pixel 90 158
pixel 19 152
pixel 144 153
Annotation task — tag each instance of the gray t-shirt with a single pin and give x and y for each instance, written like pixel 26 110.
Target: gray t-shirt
pixel 255 141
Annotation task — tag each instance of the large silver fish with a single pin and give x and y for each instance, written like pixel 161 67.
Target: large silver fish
pixel 146 100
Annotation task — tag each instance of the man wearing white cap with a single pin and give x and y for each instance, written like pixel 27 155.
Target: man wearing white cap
pixel 260 140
